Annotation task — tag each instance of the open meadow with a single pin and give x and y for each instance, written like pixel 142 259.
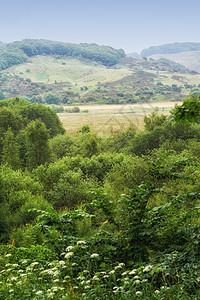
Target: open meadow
pixel 108 119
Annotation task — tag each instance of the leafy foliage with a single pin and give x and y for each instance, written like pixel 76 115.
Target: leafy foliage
pixel 93 222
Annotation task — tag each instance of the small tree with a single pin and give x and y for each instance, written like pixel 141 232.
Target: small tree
pixel 52 99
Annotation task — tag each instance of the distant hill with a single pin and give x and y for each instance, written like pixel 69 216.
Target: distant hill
pixel 133 55
pixel 171 48
pixel 19 52
pixel 191 60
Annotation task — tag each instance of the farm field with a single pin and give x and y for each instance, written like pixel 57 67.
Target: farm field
pixel 109 119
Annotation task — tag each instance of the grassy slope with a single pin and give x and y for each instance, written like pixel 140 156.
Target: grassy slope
pixel 68 77
pixel 190 60
pixel 47 69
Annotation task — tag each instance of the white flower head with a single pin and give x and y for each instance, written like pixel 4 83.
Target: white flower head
pixel 132 272
pixel 69 248
pixel 69 254
pixel 138 293
pixel 94 255
pixel 39 293
pixel 34 264
pixel 125 273
pixel 8 255
pixel 147 268
pixel 81 243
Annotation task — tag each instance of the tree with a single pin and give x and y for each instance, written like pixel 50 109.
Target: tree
pixel 188 112
pixel 153 120
pixel 37 144
pixel 52 99
pixel 10 152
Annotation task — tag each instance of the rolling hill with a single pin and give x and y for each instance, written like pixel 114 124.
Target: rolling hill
pixel 186 54
pixel 48 70
pixel 190 59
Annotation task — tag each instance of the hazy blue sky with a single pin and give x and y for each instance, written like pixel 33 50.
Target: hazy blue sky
pixel 131 25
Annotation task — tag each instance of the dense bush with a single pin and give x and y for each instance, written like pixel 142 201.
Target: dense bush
pixel 93 222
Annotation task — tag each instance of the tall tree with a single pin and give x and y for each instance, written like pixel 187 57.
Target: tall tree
pixel 10 151
pixel 37 144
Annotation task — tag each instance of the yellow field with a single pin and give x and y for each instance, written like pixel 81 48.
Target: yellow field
pixel 109 119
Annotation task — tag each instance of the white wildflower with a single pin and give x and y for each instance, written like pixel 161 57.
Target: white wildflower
pixel 8 255
pixel 122 264
pixel 69 248
pixel 95 277
pixel 55 288
pixel 157 292
pixel 132 272
pixel 147 268
pixel 81 243
pixel 87 287
pixel 125 273
pixel 39 293
pixel 24 261
pixel 118 267
pixel 138 293
pixel 69 254
pixel 74 264
pixel 111 272
pixel 137 281
pixel 13 279
pixel 94 255
pixel 34 264
pixel 80 277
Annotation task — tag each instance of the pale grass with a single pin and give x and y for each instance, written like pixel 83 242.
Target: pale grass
pixel 106 120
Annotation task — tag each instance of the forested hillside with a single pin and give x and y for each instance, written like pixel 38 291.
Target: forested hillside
pixel 87 217
pixel 19 52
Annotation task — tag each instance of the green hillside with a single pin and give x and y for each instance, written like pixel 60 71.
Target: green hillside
pixel 79 81
pixel 19 52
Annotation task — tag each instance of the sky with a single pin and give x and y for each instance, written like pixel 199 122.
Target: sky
pixel 127 24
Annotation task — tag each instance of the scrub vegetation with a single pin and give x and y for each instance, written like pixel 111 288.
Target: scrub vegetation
pixel 90 217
